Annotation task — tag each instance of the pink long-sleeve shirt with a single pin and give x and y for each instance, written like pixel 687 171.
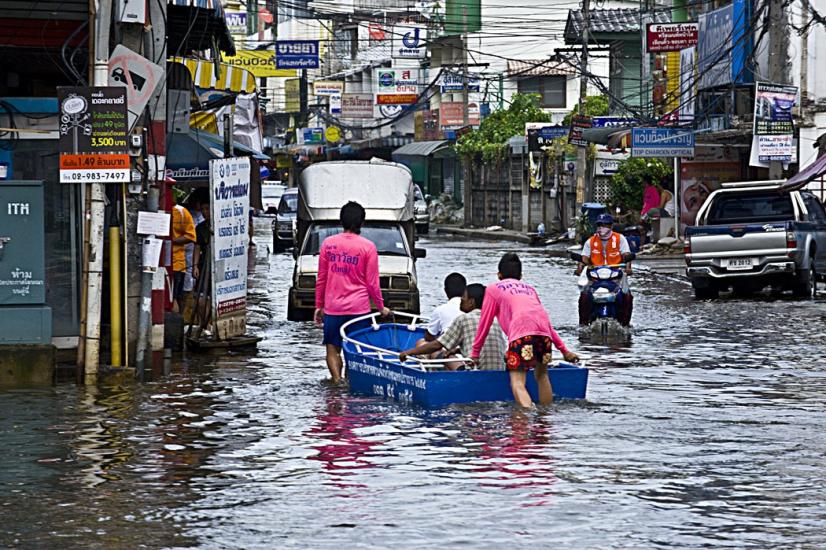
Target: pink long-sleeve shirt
pixel 348 275
pixel 517 307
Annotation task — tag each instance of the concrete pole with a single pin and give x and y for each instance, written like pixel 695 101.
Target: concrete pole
pixel 581 152
pixel 778 61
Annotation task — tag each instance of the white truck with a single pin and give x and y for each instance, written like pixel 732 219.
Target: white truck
pixel 753 234
pixel 385 190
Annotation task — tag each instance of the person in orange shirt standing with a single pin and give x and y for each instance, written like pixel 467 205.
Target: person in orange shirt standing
pixel 183 233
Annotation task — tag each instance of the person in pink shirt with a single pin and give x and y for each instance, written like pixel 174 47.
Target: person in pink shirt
pixel 528 329
pixel 650 195
pixel 348 278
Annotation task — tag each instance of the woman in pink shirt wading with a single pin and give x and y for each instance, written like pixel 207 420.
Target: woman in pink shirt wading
pixel 530 335
pixel 348 278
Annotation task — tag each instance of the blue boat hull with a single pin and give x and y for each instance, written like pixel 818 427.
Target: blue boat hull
pixel 370 375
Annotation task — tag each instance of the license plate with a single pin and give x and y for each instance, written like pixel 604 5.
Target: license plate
pixel 735 264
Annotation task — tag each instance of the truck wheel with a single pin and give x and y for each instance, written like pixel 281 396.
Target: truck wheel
pixel 277 245
pixel 706 293
pixel 806 287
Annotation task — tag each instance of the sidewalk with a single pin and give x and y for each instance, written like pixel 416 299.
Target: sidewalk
pixel 667 264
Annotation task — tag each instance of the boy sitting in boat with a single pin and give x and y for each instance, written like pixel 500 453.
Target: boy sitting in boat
pixel 529 331
pixel 460 334
pixel 348 278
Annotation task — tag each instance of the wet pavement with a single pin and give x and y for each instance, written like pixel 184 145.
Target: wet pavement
pixel 705 431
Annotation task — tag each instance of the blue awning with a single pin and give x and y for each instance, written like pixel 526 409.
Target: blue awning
pixel 188 155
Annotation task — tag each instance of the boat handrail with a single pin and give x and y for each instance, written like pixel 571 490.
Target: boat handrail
pixel 388 355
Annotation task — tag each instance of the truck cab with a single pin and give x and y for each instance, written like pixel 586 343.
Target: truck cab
pixel 386 192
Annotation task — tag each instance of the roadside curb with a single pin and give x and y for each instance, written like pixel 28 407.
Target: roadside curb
pixel 504 235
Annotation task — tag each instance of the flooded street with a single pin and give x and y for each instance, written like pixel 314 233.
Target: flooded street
pixel 706 431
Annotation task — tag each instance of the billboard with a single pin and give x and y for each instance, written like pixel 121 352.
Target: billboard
pixel 296 54
pixel 671 37
pixel 397 86
pixel 261 63
pixel 358 106
pixel 724 46
pixel 452 113
pixel 409 42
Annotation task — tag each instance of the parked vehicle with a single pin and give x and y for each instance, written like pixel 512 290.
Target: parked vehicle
pixel 271 197
pixel 386 192
pixel 421 212
pixel 373 368
pixel 752 234
pixel 283 227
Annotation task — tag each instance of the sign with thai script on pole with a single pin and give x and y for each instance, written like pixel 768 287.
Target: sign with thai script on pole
pixel 773 109
pixel 397 86
pixel 671 37
pixel 542 134
pixel 661 142
pixel 579 123
pixel 229 181
pixel 359 106
pixel 296 54
pixel 452 83
pixel 236 22
pixel 328 87
pixel 452 114
pixel 92 120
pixel 261 63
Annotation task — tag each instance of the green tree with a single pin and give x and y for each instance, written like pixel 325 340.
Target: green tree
pixel 595 105
pixel 491 139
pixel 627 185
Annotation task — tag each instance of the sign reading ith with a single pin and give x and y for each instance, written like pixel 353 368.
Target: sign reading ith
pixel 409 42
pixel 261 63
pixel 296 54
pixel 358 106
pixel 671 37
pixel 397 86
pixel 230 190
pixel 661 142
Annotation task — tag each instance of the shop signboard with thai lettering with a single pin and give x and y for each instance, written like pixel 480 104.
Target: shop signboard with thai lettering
pixel 261 63
pixel 230 193
pixel 409 42
pixel 452 114
pixel 357 106
pixel 236 22
pixel 613 121
pixel 671 37
pixel 661 142
pixel 578 124
pixel 774 122
pixel 328 87
pixel 397 86
pixel 296 54
pixel 93 134
pixel 292 95
pixel 542 134
pixel 723 47
pixel 452 83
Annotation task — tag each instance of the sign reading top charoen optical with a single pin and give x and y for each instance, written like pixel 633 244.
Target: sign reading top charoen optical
pixel 661 142
pixel 296 54
pixel 409 42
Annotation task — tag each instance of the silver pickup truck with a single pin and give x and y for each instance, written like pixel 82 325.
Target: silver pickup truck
pixel 753 234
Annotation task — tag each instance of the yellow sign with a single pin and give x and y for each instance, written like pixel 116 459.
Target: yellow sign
pixel 332 133
pixel 260 63
pixel 292 95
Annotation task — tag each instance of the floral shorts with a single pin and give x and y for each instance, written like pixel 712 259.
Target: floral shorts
pixel 528 352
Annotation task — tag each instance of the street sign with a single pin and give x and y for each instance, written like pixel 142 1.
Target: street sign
pixel 661 142
pixel 229 180
pixel 140 76
pixel 578 124
pixel 409 42
pixel 671 37
pixel 261 63
pixel 296 54
pixel 542 134
pixel 358 106
pixel 397 86
pixel 333 134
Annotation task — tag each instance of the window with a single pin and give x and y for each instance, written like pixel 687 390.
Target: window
pixel 816 212
pixel 388 239
pixel 551 90
pixel 751 208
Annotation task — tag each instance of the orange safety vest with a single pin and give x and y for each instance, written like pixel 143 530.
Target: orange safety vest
pixel 610 256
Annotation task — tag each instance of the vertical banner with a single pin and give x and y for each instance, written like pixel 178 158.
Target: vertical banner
pixel 229 181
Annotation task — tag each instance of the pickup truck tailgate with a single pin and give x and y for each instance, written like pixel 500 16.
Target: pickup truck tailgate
pixel 738 240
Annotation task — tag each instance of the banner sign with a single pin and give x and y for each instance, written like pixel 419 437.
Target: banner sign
pixel 357 106
pixel 688 84
pixel 261 63
pixel 409 42
pixel 722 47
pixel 452 113
pixel 335 104
pixel 452 83
pixel 236 22
pixel 92 120
pixel 229 181
pixel 542 134
pixel 296 54
pixel 661 142
pixel 292 95
pixel 773 107
pixel 426 125
pixel 775 148
pixel 578 124
pixel 612 121
pixel 397 86
pixel 328 87
pixel 671 37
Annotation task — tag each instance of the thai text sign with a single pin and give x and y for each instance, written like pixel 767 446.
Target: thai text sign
pixel 661 142
pixel 397 86
pixel 328 87
pixel 671 37
pixel 260 63
pixel 92 120
pixel 296 54
pixel 542 134
pixel 773 106
pixel 357 106
pixel 230 192
pixel 409 42
pixel 101 168
pixel 292 95
pixel 722 46
pixel 775 148
pixel 452 82
pixel 452 113
pixel 578 124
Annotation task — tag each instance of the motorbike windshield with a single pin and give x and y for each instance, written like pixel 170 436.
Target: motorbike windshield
pixel 388 239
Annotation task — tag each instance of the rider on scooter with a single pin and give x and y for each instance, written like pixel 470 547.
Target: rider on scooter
pixel 606 247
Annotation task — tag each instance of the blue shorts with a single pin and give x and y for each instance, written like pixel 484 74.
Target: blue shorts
pixel 333 324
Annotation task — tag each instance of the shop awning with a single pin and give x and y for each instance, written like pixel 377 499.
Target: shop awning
pixel 197 25
pixel 188 155
pixel 420 148
pixel 804 177
pixel 229 78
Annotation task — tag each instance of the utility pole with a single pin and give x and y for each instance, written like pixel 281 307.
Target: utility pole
pixel 581 152
pixel 465 94
pixel 778 60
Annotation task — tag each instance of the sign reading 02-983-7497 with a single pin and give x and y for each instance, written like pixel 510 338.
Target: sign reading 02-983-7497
pixel 93 131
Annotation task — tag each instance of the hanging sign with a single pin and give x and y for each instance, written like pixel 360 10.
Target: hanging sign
pixel 578 124
pixel 296 54
pixel 92 120
pixel 409 42
pixel 661 142
pixel 452 83
pixel 229 181
pixel 328 87
pixel 671 37
pixel 452 114
pixel 397 86
pixel 773 109
pixel 261 63
pixel 335 104
pixel 357 106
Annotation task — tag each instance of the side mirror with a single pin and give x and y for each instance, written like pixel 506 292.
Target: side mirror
pixel 420 253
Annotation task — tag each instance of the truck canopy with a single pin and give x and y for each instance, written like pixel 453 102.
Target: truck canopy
pixel 384 189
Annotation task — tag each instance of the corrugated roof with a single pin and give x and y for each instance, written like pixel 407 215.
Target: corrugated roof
pixel 620 20
pixel 538 67
pixel 420 148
